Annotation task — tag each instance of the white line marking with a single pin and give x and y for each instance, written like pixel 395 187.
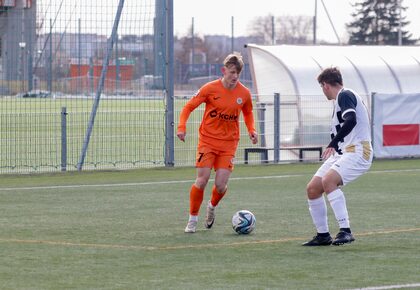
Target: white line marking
pixel 183 247
pixel 400 286
pixel 137 183
pixel 177 181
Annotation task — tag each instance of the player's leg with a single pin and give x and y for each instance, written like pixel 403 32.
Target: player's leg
pixel 220 185
pixel 348 168
pixel 204 163
pixel 331 181
pixel 196 197
pixel 318 212
pixel 318 207
pixel 224 166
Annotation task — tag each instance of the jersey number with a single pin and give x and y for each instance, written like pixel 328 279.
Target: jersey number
pixel 201 156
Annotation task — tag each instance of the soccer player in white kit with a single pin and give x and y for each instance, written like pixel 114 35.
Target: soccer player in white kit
pixel 347 156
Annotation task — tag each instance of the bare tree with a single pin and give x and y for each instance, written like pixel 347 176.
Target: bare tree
pixel 287 29
pixel 184 47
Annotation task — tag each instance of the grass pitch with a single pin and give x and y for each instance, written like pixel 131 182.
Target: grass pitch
pixel 124 230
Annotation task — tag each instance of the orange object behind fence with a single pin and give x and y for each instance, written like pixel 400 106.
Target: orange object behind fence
pixel 83 80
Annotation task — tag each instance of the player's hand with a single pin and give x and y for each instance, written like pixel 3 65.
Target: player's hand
pixel 181 136
pixel 327 153
pixel 254 137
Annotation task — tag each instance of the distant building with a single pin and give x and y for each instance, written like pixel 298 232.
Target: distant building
pixel 17 34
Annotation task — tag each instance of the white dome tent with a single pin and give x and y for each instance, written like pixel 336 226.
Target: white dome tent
pixel 291 71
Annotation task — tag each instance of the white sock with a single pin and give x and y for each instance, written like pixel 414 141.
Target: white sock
pixel 338 204
pixel 193 218
pixel 318 211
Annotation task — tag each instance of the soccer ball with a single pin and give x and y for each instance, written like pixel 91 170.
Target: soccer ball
pixel 243 222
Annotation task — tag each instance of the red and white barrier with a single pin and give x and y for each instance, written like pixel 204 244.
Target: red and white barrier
pixel 396 125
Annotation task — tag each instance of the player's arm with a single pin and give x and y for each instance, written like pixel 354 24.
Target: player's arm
pixel 347 102
pixel 182 124
pixel 190 106
pixel 250 122
pixel 348 125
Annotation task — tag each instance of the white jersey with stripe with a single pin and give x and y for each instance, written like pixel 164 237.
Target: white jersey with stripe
pixel 349 101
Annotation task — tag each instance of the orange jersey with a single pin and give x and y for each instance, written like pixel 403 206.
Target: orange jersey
pixel 220 124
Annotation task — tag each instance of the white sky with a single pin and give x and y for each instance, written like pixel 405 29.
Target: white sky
pixel 214 16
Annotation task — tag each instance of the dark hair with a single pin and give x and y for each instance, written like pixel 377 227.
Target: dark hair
pixel 331 76
pixel 235 59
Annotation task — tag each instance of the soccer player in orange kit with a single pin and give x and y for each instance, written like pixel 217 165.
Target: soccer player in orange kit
pixel 225 98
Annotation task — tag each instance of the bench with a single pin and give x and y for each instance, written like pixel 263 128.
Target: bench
pixel 264 151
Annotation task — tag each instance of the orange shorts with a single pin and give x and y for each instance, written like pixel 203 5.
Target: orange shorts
pixel 213 158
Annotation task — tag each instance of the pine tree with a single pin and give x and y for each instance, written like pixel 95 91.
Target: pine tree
pixel 376 22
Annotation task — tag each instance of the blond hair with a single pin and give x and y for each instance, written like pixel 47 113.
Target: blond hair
pixel 235 59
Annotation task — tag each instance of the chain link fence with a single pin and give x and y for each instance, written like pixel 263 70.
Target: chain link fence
pixel 52 56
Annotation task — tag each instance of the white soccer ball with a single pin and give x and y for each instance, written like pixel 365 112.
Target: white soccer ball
pixel 243 222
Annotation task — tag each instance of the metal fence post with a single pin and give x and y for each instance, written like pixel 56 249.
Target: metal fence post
pixel 372 120
pixel 63 139
pixel 169 85
pixel 49 61
pixel 261 115
pixel 276 127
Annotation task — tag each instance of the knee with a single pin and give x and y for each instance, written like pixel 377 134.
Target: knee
pixel 328 185
pixel 312 191
pixel 201 182
pixel 220 187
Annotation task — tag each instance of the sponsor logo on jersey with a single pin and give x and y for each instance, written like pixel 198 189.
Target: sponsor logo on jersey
pixel 222 116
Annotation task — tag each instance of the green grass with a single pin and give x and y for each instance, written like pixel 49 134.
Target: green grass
pixel 124 230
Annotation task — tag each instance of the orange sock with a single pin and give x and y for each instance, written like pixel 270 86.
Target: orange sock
pixel 196 198
pixel 216 196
